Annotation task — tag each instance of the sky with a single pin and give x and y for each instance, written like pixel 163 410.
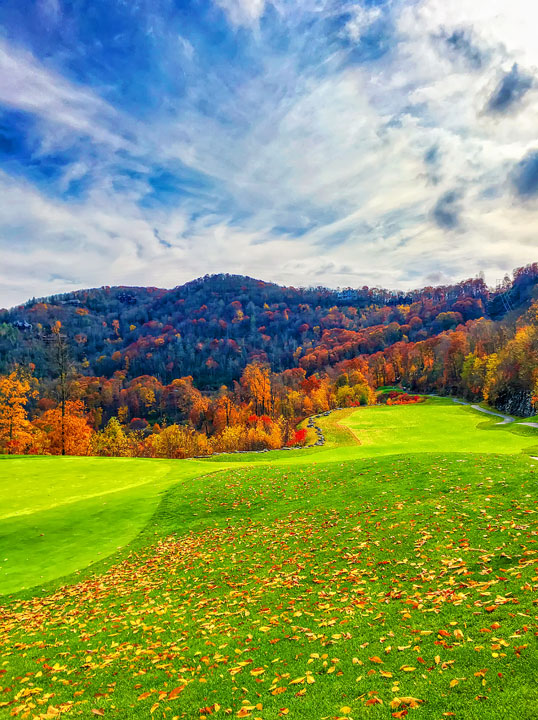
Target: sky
pixel 390 143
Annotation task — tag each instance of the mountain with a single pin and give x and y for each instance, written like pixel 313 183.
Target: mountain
pixel 230 362
pixel 212 327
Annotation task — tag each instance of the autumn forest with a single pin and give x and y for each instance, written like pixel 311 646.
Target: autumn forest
pixel 227 363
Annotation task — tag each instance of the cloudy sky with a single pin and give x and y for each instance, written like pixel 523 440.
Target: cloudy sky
pixel 381 142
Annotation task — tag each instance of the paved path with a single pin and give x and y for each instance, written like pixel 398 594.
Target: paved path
pixel 505 418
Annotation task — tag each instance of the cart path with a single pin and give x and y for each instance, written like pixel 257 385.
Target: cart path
pixel 505 418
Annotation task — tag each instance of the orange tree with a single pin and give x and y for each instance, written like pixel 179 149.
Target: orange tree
pixel 16 432
pixel 67 430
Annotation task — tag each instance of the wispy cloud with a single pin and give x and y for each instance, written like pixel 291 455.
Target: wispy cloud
pixel 243 12
pixel 27 85
pixel 301 142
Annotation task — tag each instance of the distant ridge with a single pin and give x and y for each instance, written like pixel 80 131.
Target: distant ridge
pixel 211 327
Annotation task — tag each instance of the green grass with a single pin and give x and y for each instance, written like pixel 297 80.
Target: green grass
pixel 59 515
pixel 76 511
pixel 276 584
pixel 436 425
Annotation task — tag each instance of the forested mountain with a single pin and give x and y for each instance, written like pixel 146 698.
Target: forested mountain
pixel 212 327
pixel 229 362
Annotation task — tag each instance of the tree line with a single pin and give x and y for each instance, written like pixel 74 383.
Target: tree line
pixel 438 340
pixel 81 415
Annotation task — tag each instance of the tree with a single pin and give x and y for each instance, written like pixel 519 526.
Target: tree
pixel 178 441
pixel 231 438
pixel 224 410
pixel 67 431
pixel 256 382
pixel 112 441
pixel 60 358
pixel 16 389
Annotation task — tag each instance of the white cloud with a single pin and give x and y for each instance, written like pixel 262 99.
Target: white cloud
pixel 510 24
pixel 361 19
pixel 27 85
pixel 316 171
pixel 242 12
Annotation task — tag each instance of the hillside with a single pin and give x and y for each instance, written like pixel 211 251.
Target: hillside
pixel 390 573
pixel 232 363
pixel 212 327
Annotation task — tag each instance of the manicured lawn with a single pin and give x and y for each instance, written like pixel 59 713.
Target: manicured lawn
pixel 58 515
pixel 336 582
pixel 433 426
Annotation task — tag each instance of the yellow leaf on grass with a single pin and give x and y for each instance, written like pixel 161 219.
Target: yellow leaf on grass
pixel 407 701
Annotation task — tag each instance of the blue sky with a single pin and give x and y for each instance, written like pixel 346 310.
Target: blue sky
pixel 382 142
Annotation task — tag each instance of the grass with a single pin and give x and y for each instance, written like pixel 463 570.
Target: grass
pixel 77 511
pixel 436 425
pixel 327 583
pixel 59 515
